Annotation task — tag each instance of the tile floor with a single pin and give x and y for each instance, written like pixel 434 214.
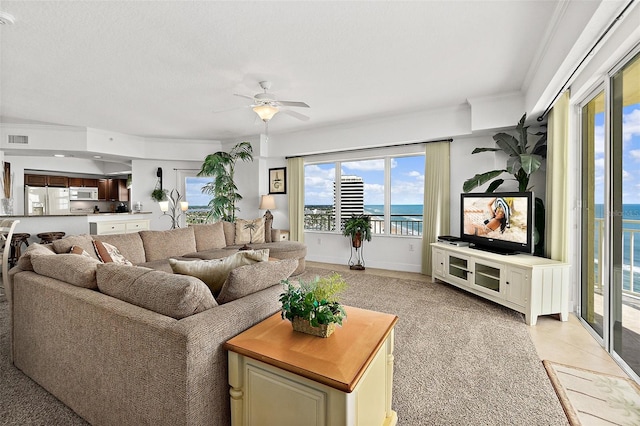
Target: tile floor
pixel 562 342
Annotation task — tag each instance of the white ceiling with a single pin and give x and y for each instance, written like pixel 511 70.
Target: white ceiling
pixel 170 69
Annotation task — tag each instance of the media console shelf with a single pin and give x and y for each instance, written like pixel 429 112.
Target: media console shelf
pixel 528 284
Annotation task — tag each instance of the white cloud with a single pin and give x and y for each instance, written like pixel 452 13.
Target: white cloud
pixel 635 154
pixel 364 165
pixel 626 175
pixel 599 139
pixel 631 125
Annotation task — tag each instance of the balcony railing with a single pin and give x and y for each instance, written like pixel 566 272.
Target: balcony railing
pixel 629 234
pixel 401 224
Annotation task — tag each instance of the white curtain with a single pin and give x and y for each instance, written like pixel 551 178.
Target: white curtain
pixel 436 214
pixel 295 168
pixel 556 206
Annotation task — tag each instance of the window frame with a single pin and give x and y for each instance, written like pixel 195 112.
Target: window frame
pixel 385 154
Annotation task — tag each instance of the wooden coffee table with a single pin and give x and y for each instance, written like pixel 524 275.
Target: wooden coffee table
pixel 282 377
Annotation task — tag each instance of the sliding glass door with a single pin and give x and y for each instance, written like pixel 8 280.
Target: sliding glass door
pixel 592 213
pixel 610 214
pixel 625 218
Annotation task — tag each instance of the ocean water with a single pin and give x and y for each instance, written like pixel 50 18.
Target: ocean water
pixel 630 232
pixel 408 217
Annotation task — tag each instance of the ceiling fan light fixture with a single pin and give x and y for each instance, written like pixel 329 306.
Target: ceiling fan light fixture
pixel 265 112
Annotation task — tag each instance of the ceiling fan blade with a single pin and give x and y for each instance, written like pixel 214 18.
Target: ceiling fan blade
pixel 293 104
pixel 295 114
pixel 243 96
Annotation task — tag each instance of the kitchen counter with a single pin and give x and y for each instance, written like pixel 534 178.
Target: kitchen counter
pixel 72 224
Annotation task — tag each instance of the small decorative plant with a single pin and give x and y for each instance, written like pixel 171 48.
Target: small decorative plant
pixel 159 194
pixel 313 307
pixel 358 228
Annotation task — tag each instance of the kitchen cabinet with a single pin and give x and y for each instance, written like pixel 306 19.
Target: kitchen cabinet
pixel 528 284
pixel 113 190
pixel 45 180
pixel 83 182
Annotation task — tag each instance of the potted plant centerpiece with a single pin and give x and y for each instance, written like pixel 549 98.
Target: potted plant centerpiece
pixel 357 228
pixel 313 307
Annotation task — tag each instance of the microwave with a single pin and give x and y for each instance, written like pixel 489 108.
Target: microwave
pixel 81 193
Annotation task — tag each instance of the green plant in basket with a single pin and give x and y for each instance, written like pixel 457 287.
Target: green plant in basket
pixel 315 301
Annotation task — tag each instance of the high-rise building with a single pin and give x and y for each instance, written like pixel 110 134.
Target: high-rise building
pixel 351 196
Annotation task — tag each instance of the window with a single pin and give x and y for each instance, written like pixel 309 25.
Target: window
pixel 198 202
pixel 389 188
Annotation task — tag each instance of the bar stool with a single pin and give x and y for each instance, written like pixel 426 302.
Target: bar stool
pixel 48 237
pixel 16 246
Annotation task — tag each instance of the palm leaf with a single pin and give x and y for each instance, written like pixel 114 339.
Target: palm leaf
pixel 478 150
pixel 480 179
pixel 494 185
pixel 508 143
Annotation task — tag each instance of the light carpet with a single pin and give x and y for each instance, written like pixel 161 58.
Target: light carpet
pixel 459 360
pixel 590 398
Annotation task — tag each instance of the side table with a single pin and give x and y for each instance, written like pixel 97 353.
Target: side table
pixel 282 377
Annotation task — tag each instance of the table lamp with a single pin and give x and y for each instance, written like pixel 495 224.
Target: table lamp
pixel 267 202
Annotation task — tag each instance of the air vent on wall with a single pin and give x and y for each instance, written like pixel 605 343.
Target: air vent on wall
pixel 21 139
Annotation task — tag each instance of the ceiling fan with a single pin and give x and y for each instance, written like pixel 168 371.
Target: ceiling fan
pixel 266 105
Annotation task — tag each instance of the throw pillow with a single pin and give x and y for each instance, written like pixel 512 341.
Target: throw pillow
pixel 109 253
pixel 79 250
pixel 64 245
pixel 176 296
pixel 209 236
pixel 250 231
pixel 249 279
pixel 34 250
pixel 214 272
pixel 70 268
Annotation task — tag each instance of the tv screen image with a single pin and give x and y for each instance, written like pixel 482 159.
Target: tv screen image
pixel 500 221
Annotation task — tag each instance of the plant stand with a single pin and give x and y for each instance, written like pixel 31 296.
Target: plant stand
pixel 356 260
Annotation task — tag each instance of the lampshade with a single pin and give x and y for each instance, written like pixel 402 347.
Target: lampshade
pixel 267 202
pixel 184 206
pixel 164 205
pixel 265 112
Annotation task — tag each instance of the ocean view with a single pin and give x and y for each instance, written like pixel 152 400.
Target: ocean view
pixel 631 232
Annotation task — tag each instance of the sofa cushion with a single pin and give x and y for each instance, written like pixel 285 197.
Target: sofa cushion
pixel 214 272
pixel 129 245
pixel 209 236
pixel 177 296
pixel 70 268
pixel 34 249
pixel 250 231
pixel 229 232
pixel 84 240
pixel 108 253
pixel 164 244
pixel 249 279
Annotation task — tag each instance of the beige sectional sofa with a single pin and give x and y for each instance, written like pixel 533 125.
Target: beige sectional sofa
pixel 136 345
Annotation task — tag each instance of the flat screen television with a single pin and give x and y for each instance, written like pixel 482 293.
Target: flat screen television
pixel 502 222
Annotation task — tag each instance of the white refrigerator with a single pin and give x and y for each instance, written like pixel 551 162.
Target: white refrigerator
pixel 40 200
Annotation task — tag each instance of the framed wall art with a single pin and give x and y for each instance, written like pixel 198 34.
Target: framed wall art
pixel 278 180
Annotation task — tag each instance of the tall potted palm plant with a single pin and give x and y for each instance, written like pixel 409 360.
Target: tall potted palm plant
pixel 223 190
pixel 358 229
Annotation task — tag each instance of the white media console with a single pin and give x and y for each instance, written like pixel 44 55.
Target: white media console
pixel 528 284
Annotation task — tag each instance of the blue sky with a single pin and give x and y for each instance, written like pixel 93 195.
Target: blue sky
pixel 194 196
pixel 407 180
pixel 630 155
